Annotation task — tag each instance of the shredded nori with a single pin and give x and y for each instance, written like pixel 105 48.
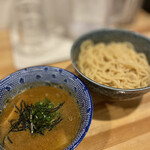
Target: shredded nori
pixel 35 118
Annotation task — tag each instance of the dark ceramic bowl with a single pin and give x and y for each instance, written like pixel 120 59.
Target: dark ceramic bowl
pixel 141 44
pixel 15 83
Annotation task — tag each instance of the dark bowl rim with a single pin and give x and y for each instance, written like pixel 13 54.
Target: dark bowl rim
pixel 100 31
pixel 90 99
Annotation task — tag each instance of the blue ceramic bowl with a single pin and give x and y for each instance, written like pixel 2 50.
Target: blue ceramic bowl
pixel 18 81
pixel 141 44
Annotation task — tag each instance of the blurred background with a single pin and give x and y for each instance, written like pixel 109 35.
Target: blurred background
pixel 37 32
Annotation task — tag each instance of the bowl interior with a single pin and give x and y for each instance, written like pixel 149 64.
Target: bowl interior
pixel 18 81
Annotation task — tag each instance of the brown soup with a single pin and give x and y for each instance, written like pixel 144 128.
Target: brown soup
pixel 56 139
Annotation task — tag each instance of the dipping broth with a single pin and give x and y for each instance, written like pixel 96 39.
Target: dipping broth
pixel 56 139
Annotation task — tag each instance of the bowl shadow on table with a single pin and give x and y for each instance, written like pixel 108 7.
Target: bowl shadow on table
pixel 104 109
pixel 105 112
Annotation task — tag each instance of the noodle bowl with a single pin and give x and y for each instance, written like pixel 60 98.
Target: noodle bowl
pixel 106 37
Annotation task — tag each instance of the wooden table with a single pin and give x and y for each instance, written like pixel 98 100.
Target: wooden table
pixel 115 126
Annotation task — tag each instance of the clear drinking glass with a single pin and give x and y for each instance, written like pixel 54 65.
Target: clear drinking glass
pixel 87 15
pixel 37 33
pixel 28 29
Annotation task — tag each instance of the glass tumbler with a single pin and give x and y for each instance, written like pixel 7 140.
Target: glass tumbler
pixel 28 28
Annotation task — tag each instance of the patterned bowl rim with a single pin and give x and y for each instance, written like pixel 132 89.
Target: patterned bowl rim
pixel 99 32
pixel 80 138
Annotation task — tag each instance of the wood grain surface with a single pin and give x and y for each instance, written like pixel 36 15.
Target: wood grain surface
pixel 115 126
